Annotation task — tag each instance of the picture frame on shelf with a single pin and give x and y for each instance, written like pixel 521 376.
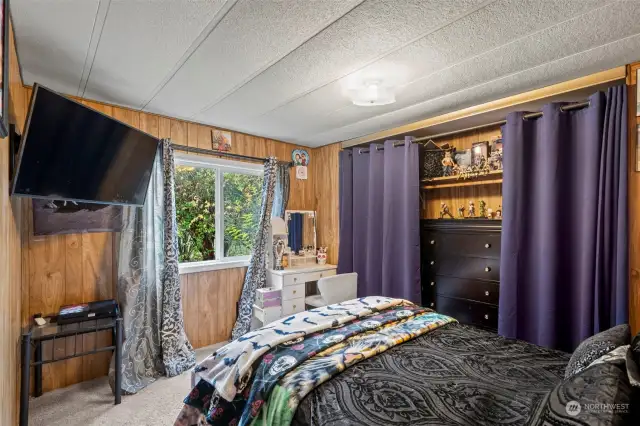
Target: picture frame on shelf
pixel 479 153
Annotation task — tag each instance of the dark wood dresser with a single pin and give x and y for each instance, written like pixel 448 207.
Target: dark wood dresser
pixel 460 269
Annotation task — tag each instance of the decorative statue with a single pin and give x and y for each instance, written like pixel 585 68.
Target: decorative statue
pixel 472 209
pixel 489 213
pixel 499 212
pixel 444 211
pixel 322 256
pixel 448 164
pixel 461 212
pixel 278 251
pixel 483 209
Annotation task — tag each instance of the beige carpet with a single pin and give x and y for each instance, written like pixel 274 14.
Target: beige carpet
pixel 91 402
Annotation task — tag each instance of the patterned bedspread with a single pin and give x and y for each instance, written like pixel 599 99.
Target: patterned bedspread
pixel 454 375
pixel 286 369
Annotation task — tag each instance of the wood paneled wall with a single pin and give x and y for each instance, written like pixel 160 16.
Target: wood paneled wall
pixel 455 197
pixel 326 191
pixel 634 200
pixel 78 268
pixel 10 262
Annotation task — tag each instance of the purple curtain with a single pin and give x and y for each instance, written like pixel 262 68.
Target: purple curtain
pixel 563 265
pixel 380 219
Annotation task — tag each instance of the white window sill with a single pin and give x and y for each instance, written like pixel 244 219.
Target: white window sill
pixel 211 265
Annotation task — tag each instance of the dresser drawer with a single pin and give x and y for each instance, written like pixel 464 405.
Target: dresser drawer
pixel 463 267
pixel 292 306
pixel 293 291
pixel 460 244
pixel 481 291
pixel 466 312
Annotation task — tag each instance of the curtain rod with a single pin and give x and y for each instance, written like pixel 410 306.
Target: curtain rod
pixel 223 154
pixel 482 126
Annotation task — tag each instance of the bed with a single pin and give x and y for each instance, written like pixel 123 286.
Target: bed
pixel 379 361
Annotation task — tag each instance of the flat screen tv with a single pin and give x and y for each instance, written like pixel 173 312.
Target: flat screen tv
pixel 71 152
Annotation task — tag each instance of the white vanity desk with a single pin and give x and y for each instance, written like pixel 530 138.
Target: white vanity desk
pixel 292 283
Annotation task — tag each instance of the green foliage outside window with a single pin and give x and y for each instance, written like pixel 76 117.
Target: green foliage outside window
pixel 195 213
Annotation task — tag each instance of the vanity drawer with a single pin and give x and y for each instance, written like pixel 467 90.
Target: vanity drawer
pixel 301 278
pixel 267 315
pixel 292 306
pixel 293 292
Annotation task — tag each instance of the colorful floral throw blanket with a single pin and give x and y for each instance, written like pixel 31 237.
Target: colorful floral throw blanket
pixel 283 374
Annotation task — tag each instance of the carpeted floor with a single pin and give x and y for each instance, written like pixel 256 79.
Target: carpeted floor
pixel 91 403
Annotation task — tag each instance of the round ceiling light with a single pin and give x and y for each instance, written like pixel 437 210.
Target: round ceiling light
pixel 372 93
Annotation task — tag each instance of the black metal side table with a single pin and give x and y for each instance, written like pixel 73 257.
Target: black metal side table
pixel 34 337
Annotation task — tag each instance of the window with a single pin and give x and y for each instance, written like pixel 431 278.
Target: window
pixel 217 210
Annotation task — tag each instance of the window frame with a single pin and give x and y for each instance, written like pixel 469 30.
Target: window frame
pixel 220 166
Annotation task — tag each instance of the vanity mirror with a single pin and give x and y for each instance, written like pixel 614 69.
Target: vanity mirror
pixel 301 230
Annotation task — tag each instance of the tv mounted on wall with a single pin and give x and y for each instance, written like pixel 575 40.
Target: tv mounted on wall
pixel 73 153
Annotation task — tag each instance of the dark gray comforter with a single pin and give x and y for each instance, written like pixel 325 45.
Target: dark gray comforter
pixel 455 375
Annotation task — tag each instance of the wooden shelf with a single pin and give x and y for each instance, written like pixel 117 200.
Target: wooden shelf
pixel 453 181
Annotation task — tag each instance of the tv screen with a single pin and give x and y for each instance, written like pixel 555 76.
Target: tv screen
pixel 71 152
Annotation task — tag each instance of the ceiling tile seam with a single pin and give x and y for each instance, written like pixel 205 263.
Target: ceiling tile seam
pixel 488 52
pixel 193 47
pixel 379 57
pixel 247 80
pixel 101 18
pixel 479 86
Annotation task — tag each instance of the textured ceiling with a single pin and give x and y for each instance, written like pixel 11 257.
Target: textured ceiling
pixel 278 68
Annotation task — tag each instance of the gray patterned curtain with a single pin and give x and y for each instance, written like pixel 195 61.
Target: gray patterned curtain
pixel 281 194
pixel 149 285
pixel 256 276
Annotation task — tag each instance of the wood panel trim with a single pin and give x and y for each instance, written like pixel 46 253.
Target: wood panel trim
pixel 603 77
pixel 633 200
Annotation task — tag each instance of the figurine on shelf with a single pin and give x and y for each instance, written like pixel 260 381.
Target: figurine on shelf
pixel 278 252
pixel 322 256
pixel 461 212
pixel 483 209
pixel 444 211
pixel 489 213
pixel 499 212
pixel 447 164
pixel 472 209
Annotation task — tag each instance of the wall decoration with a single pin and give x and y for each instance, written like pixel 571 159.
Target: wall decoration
pixel 220 140
pixel 300 157
pixel 4 69
pixel 60 217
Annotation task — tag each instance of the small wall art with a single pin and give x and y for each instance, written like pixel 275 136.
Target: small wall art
pixel 300 158
pixel 220 140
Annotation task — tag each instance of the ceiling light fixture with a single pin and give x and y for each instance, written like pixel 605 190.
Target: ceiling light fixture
pixel 372 93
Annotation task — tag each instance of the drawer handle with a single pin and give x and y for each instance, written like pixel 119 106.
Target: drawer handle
pixel 487 269
pixel 487 245
pixel 294 306
pixel 433 283
pixel 294 292
pixel 321 275
pixel 486 316
pixel 486 293
pixel 433 262
pixel 295 279
pixel 432 242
